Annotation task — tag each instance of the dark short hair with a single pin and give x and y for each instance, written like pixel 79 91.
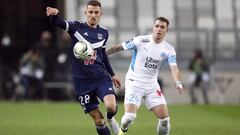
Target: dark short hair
pixel 163 19
pixel 94 3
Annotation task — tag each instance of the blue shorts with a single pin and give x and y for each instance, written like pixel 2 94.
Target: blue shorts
pixel 88 91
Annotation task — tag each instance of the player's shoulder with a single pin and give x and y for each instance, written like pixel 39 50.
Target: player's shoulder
pixel 143 38
pixel 75 22
pixel 103 29
pixel 167 44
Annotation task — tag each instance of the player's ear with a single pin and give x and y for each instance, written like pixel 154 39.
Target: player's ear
pixel 167 28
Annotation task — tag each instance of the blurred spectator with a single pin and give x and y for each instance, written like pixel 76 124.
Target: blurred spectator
pixel 47 49
pixel 7 67
pixel 199 77
pixel 31 74
pixel 63 70
pixel 7 82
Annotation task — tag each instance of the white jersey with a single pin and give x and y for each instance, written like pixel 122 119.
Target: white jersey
pixel 148 57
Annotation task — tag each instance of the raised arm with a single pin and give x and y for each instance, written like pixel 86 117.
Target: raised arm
pixel 114 49
pixel 54 19
pixel 51 11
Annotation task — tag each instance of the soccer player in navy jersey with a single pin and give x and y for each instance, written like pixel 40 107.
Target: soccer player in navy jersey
pixel 93 77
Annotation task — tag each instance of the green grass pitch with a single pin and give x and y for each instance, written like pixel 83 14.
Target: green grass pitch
pixel 67 118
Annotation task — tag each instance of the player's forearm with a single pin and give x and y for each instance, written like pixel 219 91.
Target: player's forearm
pixel 107 64
pixel 53 14
pixel 176 73
pixel 58 22
pixel 177 76
pixel 114 49
pixel 177 79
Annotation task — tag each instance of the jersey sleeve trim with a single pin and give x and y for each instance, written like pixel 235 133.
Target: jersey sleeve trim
pixel 172 59
pixel 128 45
pixel 67 26
pixel 172 64
pixel 104 46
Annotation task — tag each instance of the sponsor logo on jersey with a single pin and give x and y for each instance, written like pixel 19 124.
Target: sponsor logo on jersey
pixel 151 63
pixel 85 33
pixel 163 55
pixel 145 40
pixel 100 36
pixel 110 89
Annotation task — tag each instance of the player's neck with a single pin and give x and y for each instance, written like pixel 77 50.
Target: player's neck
pixel 92 25
pixel 157 40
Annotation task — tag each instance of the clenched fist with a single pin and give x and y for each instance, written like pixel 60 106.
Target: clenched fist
pixel 51 11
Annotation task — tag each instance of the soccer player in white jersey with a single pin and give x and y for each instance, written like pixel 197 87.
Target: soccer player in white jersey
pixel 150 52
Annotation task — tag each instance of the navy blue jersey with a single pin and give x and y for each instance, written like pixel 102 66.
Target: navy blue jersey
pixel 97 37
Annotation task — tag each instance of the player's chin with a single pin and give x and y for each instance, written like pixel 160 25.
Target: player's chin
pixel 159 35
pixel 93 23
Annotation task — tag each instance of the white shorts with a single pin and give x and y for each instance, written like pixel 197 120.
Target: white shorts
pixel 150 94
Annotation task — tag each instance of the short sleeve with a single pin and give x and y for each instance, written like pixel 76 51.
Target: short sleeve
pixel 131 44
pixel 172 58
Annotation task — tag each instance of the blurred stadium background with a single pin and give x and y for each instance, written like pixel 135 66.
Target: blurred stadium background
pixel 211 25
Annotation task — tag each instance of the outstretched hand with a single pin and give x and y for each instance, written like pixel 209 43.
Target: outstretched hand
pixel 179 87
pixel 51 11
pixel 116 82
